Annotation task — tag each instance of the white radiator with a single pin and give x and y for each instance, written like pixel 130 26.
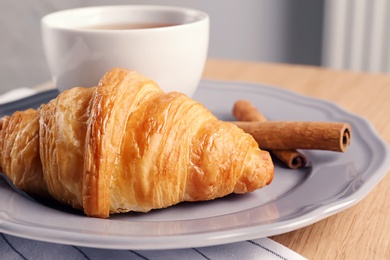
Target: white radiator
pixel 357 35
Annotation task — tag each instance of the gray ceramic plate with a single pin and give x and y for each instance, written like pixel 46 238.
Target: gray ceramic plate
pixel 297 198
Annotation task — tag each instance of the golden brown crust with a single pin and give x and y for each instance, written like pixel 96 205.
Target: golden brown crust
pixel 63 126
pixel 19 141
pixel 125 145
pixel 117 95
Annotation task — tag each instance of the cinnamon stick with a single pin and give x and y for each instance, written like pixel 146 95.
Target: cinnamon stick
pixel 243 110
pixel 283 135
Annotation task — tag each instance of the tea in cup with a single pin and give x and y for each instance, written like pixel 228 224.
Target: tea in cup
pixel 164 43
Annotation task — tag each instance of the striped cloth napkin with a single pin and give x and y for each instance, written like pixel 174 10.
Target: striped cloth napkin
pixel 12 247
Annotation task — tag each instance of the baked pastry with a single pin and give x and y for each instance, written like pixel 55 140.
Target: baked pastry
pixel 125 145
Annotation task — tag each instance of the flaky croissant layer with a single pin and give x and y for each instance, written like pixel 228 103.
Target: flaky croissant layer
pixel 125 145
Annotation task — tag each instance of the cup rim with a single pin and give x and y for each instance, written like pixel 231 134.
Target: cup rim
pixel 51 19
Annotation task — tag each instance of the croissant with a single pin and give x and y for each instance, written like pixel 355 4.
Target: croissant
pixel 125 145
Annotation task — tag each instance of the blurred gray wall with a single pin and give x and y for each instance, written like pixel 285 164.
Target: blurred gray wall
pixel 287 31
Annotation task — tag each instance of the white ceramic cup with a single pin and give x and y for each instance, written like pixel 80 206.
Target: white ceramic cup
pixel 79 54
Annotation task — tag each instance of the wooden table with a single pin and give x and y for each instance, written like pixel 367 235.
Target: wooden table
pixel 360 232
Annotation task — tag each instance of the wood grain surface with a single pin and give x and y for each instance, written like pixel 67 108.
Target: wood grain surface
pixel 362 231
